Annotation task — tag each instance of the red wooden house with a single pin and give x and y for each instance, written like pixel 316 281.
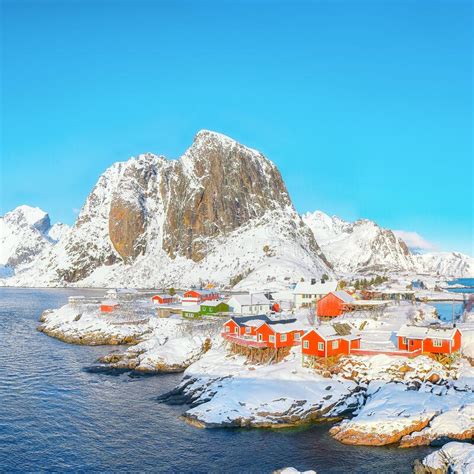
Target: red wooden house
pixel 334 304
pixel 162 299
pixel 428 339
pixel 108 306
pixel 198 296
pixel 262 332
pixel 329 341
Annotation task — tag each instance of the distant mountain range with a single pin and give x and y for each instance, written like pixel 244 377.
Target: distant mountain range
pixel 220 213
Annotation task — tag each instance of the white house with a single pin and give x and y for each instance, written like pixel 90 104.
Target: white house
pixel 249 304
pixel 306 293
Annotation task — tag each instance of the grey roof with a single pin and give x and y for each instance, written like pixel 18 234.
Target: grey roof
pixel 343 295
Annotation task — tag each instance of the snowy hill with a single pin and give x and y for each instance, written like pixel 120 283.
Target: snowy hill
pixel 445 264
pixel 359 247
pixel 365 247
pixel 220 213
pixel 25 233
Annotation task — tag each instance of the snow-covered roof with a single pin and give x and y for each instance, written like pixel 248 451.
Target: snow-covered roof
pixel 109 303
pixel 192 308
pixel 203 292
pixel 247 300
pixel 286 327
pixel 344 296
pixel 423 332
pixel 328 332
pixel 369 303
pixel 306 288
pixel 211 303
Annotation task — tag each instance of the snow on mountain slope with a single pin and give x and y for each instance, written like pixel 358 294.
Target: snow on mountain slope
pixel 25 233
pixel 220 213
pixel 359 247
pixel 446 264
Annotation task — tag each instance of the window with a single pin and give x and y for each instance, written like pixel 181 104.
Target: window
pixel 335 344
pixel 306 344
pixel 236 330
pixel 283 337
pixel 271 338
pixel 260 338
pixel 227 329
pixel 437 343
pixel 320 346
pixel 247 329
pixel 404 341
pixel 297 336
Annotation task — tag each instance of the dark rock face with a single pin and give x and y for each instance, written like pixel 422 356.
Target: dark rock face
pixel 231 185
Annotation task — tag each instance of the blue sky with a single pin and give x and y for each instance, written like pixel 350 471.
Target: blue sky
pixel 365 106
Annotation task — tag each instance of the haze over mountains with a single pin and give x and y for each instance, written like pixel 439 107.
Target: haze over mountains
pixel 220 213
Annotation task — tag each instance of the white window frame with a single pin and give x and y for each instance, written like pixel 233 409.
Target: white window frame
pixel 306 344
pixel 271 338
pixel 320 346
pixel 297 336
pixel 335 344
pixel 260 338
pixel 404 341
pixel 247 329
pixel 227 329
pixel 236 330
pixel 437 343
pixel 283 337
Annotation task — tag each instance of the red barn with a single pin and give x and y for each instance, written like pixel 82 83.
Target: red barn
pixel 108 306
pixel 198 296
pixel 329 341
pixel 334 304
pixel 425 339
pixel 162 299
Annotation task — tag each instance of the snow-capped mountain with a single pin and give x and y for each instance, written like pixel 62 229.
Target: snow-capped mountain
pixel 25 233
pixel 364 247
pixel 359 247
pixel 220 213
pixel 445 264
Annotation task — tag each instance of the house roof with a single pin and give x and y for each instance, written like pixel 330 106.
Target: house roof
pixel 304 288
pixel 329 332
pixel 369 303
pixel 284 327
pixel 212 303
pixel 344 296
pixel 247 300
pixel 425 332
pixel 202 292
pixel 192 308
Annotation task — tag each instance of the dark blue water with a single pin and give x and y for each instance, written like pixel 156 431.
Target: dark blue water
pixel 55 415
pixel 445 309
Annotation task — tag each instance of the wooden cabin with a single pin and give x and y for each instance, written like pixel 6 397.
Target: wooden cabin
pixel 329 341
pixel 162 299
pixel 108 306
pixel 263 332
pixel 334 304
pixel 213 307
pixel 198 296
pixel 429 339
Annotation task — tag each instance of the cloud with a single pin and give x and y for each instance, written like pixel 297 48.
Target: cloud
pixel 414 240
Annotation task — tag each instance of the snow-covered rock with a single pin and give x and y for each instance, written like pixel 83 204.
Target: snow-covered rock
pixel 447 264
pixel 359 247
pixel 25 233
pixel 394 410
pixel 220 213
pixel 454 457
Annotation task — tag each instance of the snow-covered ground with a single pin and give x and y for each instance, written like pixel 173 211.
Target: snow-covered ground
pixel 453 457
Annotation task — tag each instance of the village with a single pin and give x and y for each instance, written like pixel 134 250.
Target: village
pixel 316 316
